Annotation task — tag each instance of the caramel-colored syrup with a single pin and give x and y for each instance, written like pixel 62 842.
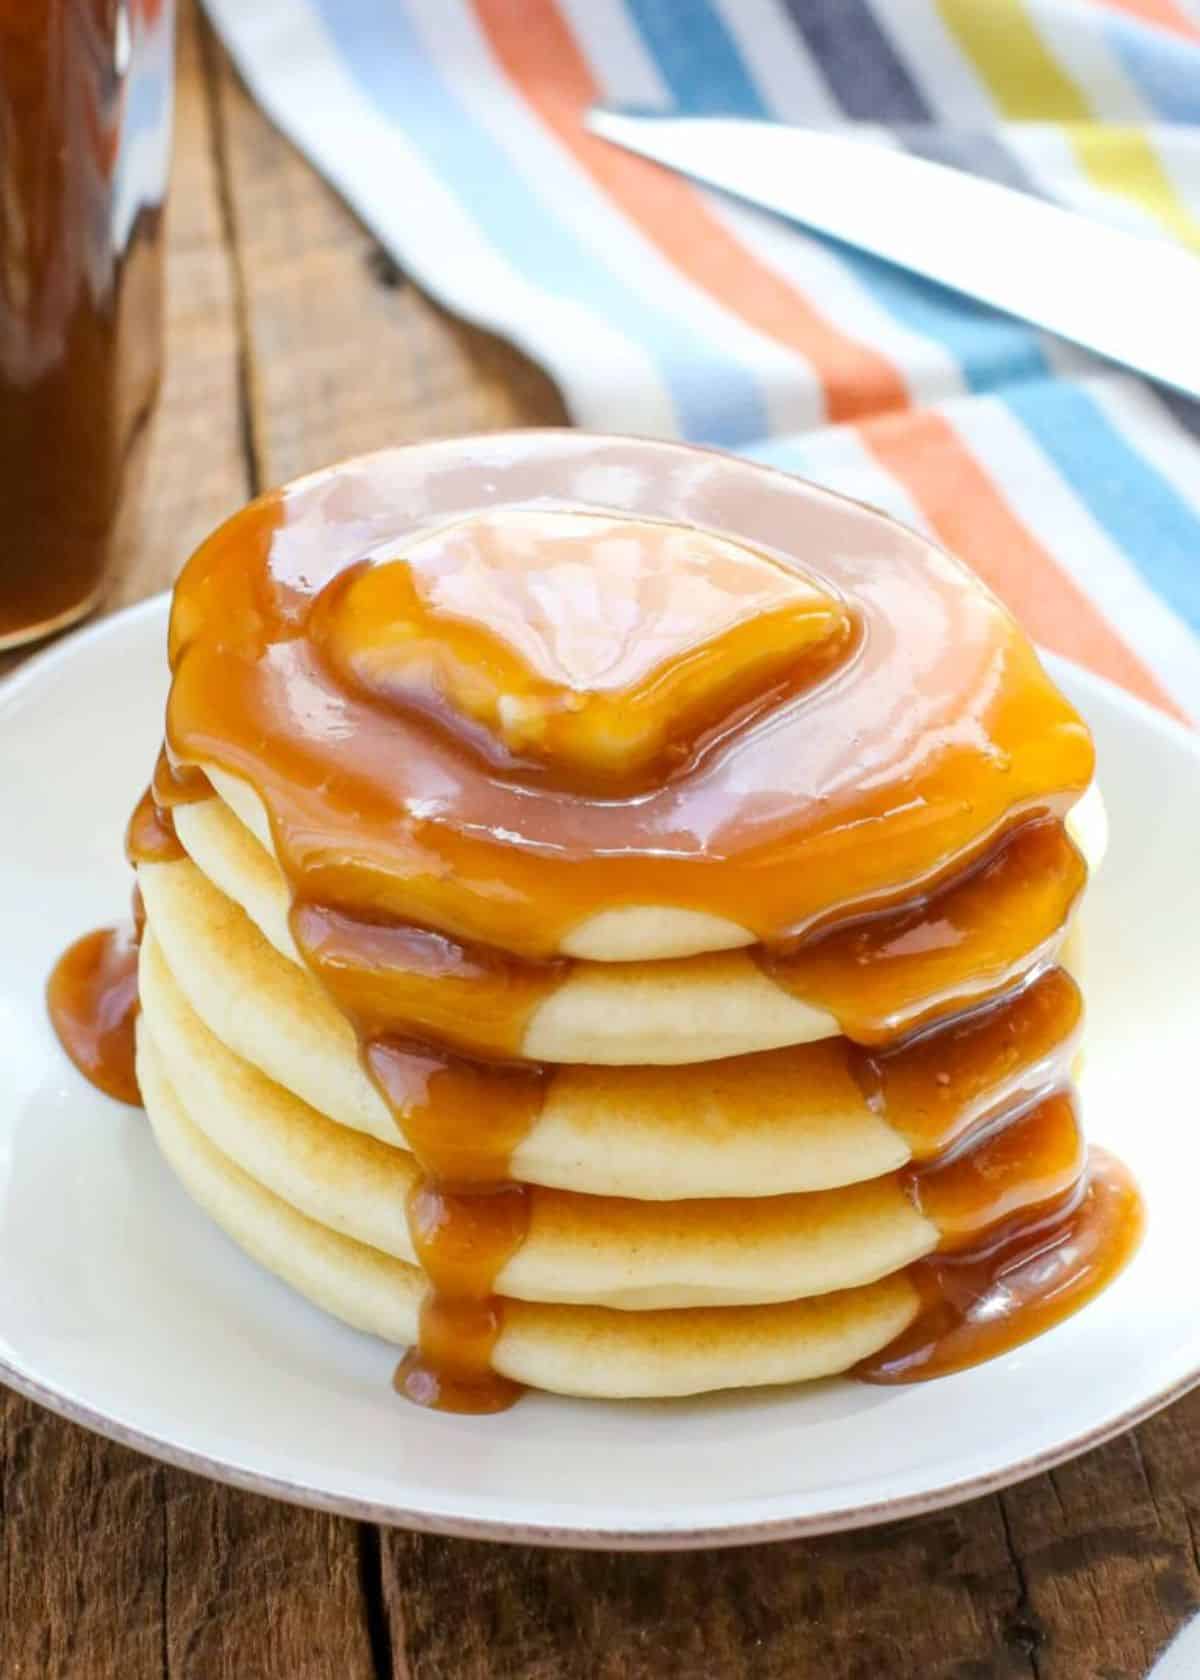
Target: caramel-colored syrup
pixel 461 1119
pixel 462 1243
pixel 93 1003
pixel 393 977
pixel 150 836
pixel 989 1299
pixel 945 1085
pixel 934 732
pixel 462 1122
pixel 975 938
pixel 450 1367
pixel 177 784
pixel 1034 1158
pixel 476 627
pixel 887 823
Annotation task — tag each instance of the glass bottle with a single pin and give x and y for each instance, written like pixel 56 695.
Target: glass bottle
pixel 85 116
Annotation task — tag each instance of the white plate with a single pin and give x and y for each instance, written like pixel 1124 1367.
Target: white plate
pixel 122 1307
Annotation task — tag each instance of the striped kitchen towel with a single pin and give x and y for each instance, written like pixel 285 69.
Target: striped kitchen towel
pixel 453 127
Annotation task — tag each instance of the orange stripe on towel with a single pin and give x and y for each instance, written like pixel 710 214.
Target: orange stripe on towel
pixel 1160 12
pixel 538 53
pixel 972 518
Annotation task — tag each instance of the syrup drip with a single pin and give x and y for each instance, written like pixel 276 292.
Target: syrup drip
pixel 946 1085
pixel 390 977
pixel 1033 1159
pixel 462 1122
pixel 984 1302
pixel 177 784
pixel 462 1243
pixel 93 1003
pixel 883 978
pixel 150 836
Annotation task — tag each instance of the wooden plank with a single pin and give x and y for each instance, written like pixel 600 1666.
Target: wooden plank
pixel 83 1555
pixel 85 1547
pixel 344 355
pixel 255 1588
pixel 113 1567
pixel 1084 1574
pixel 1107 1550
pixel 932 1598
pixel 193 470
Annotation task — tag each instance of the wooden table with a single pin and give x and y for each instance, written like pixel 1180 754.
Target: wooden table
pixel 294 340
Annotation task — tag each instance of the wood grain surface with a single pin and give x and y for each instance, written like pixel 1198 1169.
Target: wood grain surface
pixel 293 340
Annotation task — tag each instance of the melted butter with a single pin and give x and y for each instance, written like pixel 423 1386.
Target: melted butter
pixel 883 809
pixel 596 646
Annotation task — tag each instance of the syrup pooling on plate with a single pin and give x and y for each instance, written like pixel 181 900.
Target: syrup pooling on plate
pixel 981 1303
pixel 92 999
pixel 487 692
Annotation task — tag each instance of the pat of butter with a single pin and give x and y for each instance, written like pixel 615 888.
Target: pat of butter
pixel 595 644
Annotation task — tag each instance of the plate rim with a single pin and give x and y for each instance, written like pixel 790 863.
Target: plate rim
pixel 596 1536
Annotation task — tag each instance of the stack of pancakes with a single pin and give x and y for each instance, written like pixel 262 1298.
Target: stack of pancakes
pixel 649 1147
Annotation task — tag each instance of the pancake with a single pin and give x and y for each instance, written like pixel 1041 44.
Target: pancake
pixel 593 1352
pixel 802 1124
pixel 689 1009
pixel 599 1250
pixel 783 1121
pixel 628 933
pixel 611 1014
